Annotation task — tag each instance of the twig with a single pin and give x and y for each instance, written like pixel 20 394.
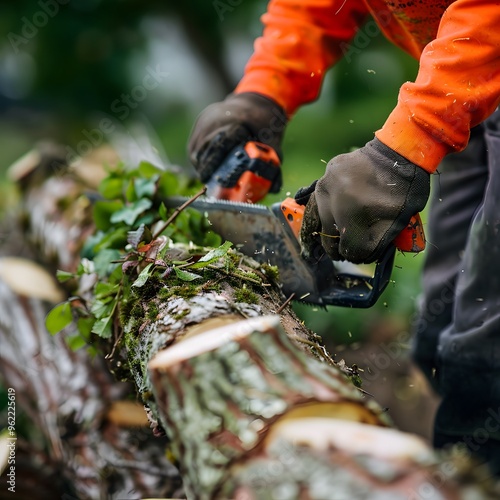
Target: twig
pixel 325 354
pixel 365 392
pixel 234 274
pixel 287 301
pixel 111 354
pixel 319 233
pixel 322 349
pixel 178 210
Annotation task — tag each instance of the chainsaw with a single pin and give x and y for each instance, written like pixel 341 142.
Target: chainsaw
pixel 270 235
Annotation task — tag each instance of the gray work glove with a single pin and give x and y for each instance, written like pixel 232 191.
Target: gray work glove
pixel 236 120
pixel 361 204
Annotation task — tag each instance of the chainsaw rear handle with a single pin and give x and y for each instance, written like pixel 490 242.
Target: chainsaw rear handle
pixel 410 239
pixel 247 174
pixel 344 286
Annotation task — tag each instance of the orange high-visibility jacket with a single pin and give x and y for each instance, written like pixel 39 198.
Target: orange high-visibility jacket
pixel 456 42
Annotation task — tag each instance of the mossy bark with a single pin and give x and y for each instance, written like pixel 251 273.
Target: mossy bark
pixel 67 402
pixel 166 312
pixel 220 393
pixel 80 432
pixel 253 406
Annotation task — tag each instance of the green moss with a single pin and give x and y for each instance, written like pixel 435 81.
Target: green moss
pixel 246 295
pixel 356 380
pixel 233 259
pixel 248 276
pixel 181 314
pixel 152 312
pixel 133 321
pixel 131 336
pixel 164 293
pixel 150 289
pixel 125 311
pixel 145 395
pixel 213 287
pixel 137 311
pixel 185 290
pixel 271 272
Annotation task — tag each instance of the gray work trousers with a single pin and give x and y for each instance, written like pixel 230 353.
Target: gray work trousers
pixel 457 333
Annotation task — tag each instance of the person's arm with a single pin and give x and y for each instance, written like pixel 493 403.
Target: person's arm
pixel 457 87
pixel 300 41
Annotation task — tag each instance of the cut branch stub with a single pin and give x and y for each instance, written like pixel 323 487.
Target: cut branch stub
pixel 219 393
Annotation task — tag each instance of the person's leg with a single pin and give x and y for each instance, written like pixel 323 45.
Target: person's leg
pixel 457 193
pixel 468 372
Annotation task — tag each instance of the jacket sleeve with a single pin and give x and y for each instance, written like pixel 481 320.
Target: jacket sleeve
pixel 457 86
pixel 301 40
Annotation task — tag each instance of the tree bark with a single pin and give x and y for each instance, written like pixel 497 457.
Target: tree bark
pixel 222 391
pixel 70 400
pixel 77 426
pixel 252 404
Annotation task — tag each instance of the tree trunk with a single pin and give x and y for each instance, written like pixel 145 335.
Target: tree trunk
pixel 78 427
pixel 252 404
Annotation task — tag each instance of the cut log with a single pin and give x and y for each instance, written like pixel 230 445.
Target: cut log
pixel 252 404
pixel 70 401
pixel 251 416
pixel 219 392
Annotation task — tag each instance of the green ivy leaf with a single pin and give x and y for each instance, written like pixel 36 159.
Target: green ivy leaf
pixel 148 170
pixel 147 219
pixel 169 184
pixel 102 327
pixel 186 275
pixel 115 237
pixel 117 275
pixel 111 188
pixel 63 276
pixel 76 342
pixel 103 211
pixel 128 203
pixel 130 193
pixel 103 262
pixel 212 256
pixel 59 318
pixel 162 211
pixel 143 276
pixel 145 187
pixel 105 289
pixel 211 239
pixel 85 325
pixel 101 309
pixel 129 214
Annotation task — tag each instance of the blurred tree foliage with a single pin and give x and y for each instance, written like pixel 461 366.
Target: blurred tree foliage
pixel 64 58
pixel 74 59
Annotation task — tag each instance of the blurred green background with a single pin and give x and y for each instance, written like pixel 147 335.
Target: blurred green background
pixel 64 65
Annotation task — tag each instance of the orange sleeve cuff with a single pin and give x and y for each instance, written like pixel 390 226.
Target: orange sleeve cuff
pixel 410 140
pixel 277 87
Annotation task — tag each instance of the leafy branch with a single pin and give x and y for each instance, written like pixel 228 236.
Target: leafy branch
pixel 132 242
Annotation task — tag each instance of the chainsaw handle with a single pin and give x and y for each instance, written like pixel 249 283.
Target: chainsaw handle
pixel 410 239
pixel 247 174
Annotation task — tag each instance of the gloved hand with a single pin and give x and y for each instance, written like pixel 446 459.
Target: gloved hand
pixel 362 203
pixel 236 120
